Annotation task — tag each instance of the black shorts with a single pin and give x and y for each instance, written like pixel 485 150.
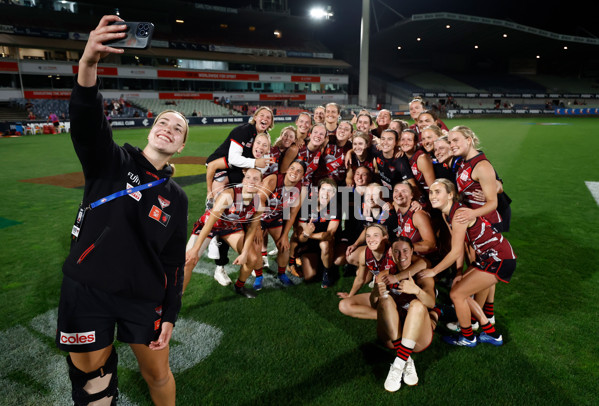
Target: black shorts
pixel 216 232
pixel 87 317
pixel 503 270
pixel 271 223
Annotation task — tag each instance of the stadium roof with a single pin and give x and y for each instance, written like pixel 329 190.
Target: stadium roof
pixel 450 32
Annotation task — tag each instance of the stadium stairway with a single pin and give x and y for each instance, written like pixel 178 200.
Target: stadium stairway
pixel 8 113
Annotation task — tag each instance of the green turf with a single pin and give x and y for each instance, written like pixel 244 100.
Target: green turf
pixel 292 346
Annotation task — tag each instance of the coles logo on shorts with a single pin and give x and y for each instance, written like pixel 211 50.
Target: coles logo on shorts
pixel 78 338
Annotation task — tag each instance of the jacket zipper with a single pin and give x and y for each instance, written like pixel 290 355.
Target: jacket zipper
pixel 91 247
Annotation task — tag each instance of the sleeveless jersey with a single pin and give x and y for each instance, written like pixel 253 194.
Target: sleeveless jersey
pixel 280 199
pixel 332 164
pixel 406 226
pixel 234 217
pixel 277 154
pixel 375 266
pixel 386 263
pixel 487 243
pixel 467 186
pixel 418 176
pixel 312 159
pixel 356 163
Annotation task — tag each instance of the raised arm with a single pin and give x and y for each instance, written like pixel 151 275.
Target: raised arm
pixel 96 50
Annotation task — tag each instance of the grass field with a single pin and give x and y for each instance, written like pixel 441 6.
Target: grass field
pixel 292 346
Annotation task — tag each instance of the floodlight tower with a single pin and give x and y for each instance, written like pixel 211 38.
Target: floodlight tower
pixel 364 51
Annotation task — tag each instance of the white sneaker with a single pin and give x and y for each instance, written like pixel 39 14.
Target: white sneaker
pixel 492 320
pixel 453 326
pixel 221 276
pixel 456 326
pixel 213 249
pixel 265 262
pixel 273 252
pixel 393 381
pixel 410 377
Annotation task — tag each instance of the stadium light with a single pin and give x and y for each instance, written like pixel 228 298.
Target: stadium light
pixel 319 13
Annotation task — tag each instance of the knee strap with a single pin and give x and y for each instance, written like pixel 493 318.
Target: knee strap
pixel 100 388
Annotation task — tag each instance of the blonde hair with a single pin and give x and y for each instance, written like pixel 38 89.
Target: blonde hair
pixel 467 133
pixel 417 99
pixel 258 110
pixel 449 187
pixel 279 139
pixel 434 128
pixel 380 227
pixel 364 136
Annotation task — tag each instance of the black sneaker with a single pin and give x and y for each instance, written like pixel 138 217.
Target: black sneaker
pixel 245 292
pixel 325 280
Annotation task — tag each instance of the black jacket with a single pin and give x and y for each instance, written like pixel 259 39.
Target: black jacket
pixel 133 246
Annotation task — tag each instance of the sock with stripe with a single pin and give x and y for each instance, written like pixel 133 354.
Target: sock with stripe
pixel 488 309
pixel 239 283
pixel 490 330
pixel 258 272
pixel 264 253
pixel 281 270
pixel 467 332
pixel 404 348
pixel 291 260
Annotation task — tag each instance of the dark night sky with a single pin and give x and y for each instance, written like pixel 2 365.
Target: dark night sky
pixel 561 17
pixel 569 18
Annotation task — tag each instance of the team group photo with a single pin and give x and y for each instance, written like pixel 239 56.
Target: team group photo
pixel 287 229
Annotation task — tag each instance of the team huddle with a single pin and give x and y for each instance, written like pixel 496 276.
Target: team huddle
pixel 392 204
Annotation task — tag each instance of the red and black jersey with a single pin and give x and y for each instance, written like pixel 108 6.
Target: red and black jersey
pixel 393 170
pixel 332 134
pixel 467 186
pixel 384 218
pixel 375 266
pixel 312 159
pixel 277 154
pixel 418 176
pixel 406 226
pixel 238 214
pixel 487 243
pixel 356 163
pixel 280 199
pixel 332 164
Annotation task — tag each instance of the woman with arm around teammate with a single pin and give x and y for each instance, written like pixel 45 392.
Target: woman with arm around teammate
pixel 474 173
pixel 495 261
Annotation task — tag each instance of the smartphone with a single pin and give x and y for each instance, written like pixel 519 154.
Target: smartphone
pixel 139 35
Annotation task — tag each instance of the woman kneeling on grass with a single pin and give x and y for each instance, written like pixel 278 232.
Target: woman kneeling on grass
pixel 495 261
pixel 398 304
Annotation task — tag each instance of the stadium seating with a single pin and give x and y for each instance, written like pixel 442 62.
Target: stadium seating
pixel 205 107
